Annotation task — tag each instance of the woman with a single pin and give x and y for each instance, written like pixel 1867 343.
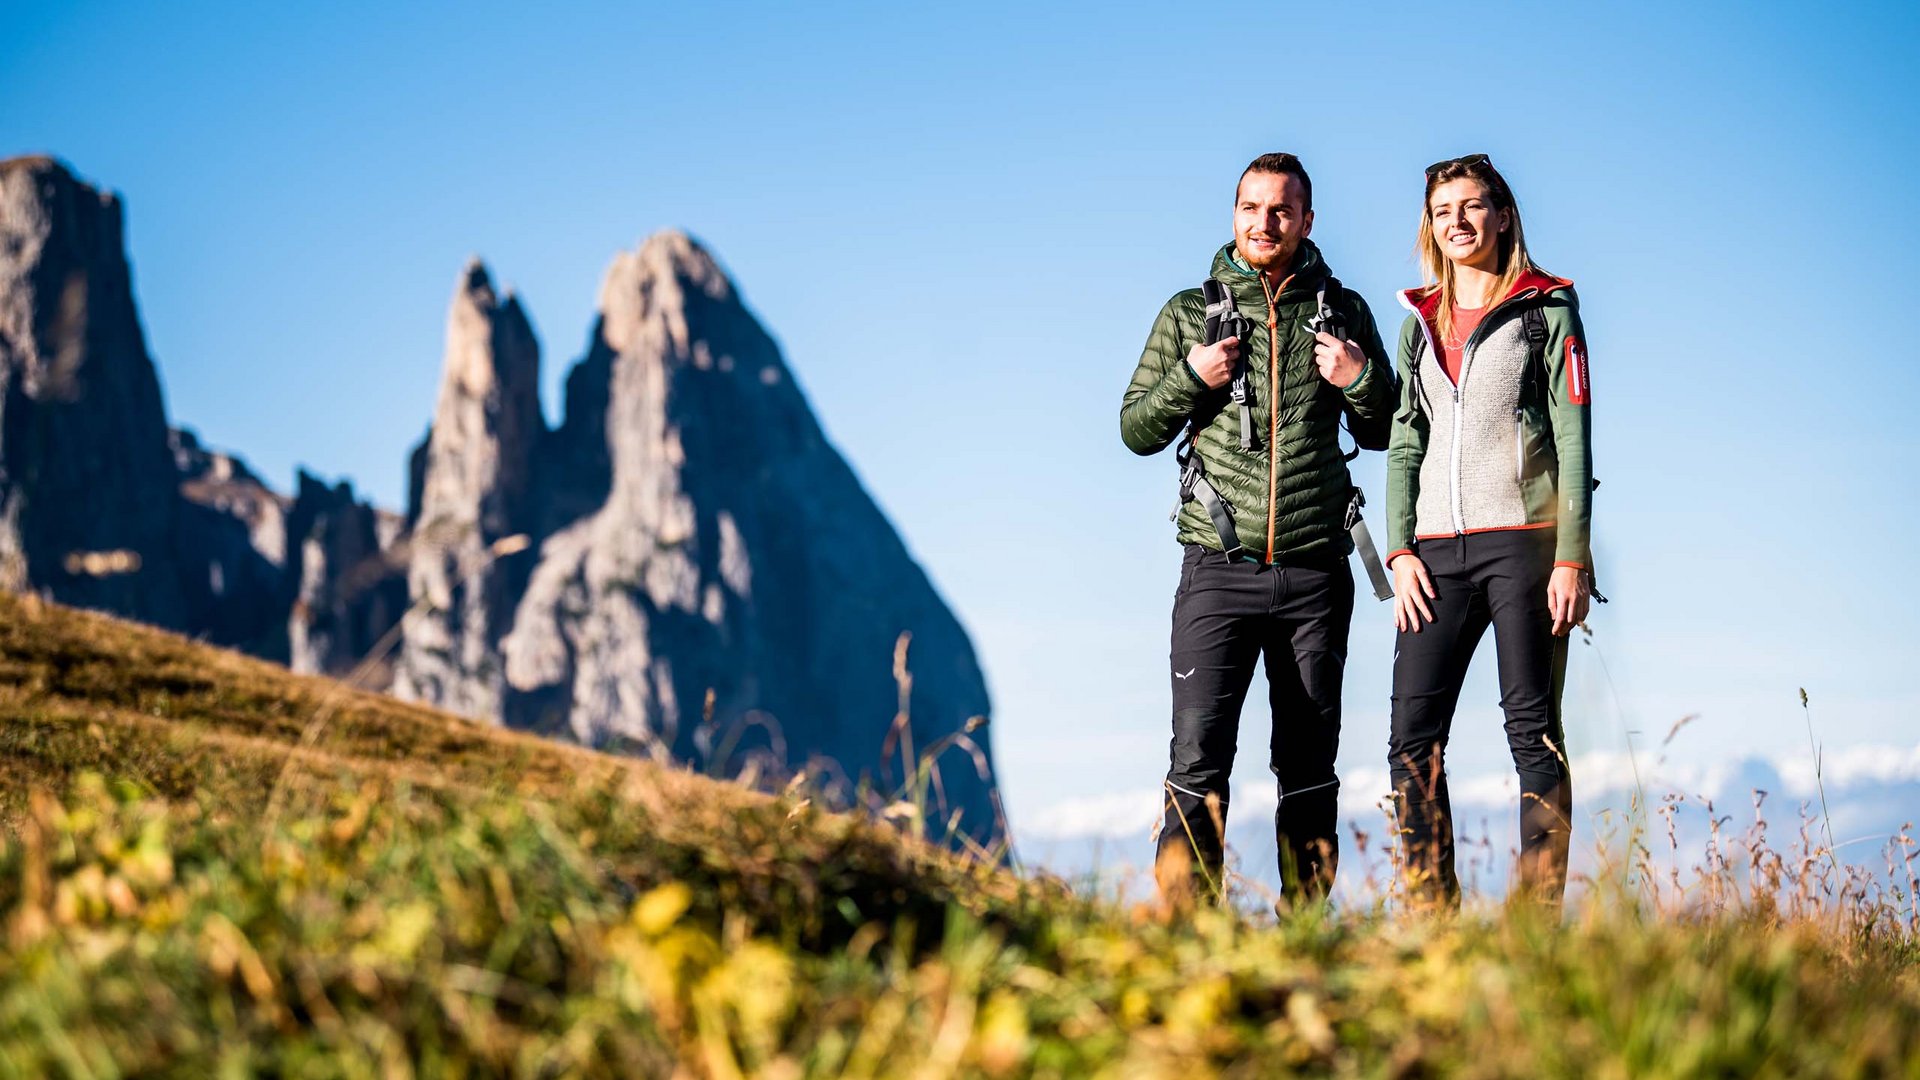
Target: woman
pixel 1488 493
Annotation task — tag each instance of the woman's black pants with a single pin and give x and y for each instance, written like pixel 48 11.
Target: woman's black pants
pixel 1228 616
pixel 1497 579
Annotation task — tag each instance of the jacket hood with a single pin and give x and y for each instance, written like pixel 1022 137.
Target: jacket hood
pixel 1308 270
pixel 1425 300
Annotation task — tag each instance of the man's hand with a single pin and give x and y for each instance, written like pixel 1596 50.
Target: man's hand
pixel 1567 598
pixel 1214 363
pixel 1340 362
pixel 1412 588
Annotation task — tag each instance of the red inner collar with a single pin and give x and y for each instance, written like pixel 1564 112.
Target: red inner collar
pixel 1426 299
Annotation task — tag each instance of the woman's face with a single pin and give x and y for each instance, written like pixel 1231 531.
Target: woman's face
pixel 1465 223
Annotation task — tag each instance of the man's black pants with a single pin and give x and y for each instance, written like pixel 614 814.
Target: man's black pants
pixel 1497 579
pixel 1226 616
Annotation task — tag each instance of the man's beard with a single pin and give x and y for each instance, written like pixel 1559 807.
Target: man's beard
pixel 1274 264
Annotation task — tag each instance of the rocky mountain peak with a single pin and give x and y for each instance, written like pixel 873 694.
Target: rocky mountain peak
pixel 733 552
pixel 474 318
pixel 649 288
pixel 88 499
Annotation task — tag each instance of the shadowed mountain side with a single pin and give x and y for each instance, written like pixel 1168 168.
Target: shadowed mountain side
pixel 88 505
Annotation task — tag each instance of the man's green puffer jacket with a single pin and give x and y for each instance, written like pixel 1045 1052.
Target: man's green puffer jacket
pixel 1289 502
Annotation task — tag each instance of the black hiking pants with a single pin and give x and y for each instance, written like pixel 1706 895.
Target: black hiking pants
pixel 1496 579
pixel 1227 616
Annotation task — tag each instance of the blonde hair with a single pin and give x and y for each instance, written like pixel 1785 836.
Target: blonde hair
pixel 1511 243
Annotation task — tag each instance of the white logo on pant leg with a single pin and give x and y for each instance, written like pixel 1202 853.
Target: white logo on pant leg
pixel 1190 671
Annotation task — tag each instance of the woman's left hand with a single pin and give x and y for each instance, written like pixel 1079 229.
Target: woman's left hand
pixel 1567 598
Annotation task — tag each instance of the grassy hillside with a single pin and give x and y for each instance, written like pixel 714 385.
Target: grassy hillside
pixel 423 896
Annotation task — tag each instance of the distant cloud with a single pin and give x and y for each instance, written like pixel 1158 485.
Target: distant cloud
pixel 1872 793
pixel 1601 780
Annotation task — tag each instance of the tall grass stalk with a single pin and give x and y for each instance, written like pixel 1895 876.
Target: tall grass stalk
pixel 1820 785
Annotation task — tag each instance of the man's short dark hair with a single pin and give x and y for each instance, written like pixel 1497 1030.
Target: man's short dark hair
pixel 1280 165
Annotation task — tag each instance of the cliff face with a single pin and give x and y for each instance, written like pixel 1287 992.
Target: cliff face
pixel 345 582
pixel 685 567
pixel 474 491
pixel 233 535
pixel 88 500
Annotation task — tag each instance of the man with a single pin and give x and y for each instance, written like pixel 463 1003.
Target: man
pixel 1279 588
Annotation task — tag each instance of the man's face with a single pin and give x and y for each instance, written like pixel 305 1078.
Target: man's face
pixel 1270 219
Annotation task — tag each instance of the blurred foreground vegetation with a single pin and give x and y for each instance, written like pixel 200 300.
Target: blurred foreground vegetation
pixel 427 897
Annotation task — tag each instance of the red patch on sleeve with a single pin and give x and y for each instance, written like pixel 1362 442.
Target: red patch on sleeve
pixel 1577 388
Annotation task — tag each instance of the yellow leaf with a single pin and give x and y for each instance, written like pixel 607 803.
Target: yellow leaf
pixel 661 907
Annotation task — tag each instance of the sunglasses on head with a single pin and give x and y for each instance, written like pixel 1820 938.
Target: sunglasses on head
pixel 1469 160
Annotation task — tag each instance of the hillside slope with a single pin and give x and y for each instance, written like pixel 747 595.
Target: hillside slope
pixel 430 897
pixel 82 692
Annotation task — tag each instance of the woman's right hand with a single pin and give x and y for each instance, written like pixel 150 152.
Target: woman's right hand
pixel 1412 588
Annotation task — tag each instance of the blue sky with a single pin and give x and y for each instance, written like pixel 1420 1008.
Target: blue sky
pixel 960 224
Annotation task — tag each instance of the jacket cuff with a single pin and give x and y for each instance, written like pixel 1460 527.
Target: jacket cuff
pixel 1358 387
pixel 1568 563
pixel 1199 384
pixel 1388 562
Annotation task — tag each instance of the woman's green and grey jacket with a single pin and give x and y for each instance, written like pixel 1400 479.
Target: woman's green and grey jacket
pixel 1289 493
pixel 1508 447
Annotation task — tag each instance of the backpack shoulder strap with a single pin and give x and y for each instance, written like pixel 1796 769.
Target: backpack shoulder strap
pixel 1330 319
pixel 1223 320
pixel 1330 288
pixel 1533 384
pixel 1535 322
pixel 1413 369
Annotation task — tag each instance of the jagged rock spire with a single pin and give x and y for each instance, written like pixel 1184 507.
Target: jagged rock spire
pixel 475 492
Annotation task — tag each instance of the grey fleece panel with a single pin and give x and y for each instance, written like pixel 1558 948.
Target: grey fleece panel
pixel 1489 453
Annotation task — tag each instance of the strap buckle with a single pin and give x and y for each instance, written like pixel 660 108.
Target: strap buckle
pixel 1324 318
pixel 1353 508
pixel 1189 474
